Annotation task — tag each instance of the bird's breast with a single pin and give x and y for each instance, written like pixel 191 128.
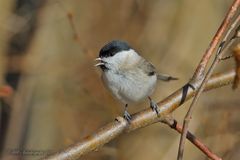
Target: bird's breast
pixel 131 86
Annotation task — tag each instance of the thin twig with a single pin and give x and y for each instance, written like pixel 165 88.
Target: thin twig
pixel 219 53
pixel 73 26
pixel 215 41
pixel 139 120
pixel 193 139
pixel 225 58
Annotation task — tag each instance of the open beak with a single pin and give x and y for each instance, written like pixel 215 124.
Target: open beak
pixel 100 63
pixel 98 59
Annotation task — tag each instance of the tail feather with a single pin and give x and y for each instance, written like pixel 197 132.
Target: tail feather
pixel 165 77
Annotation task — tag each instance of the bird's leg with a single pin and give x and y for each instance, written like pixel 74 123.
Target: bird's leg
pixel 126 115
pixel 153 105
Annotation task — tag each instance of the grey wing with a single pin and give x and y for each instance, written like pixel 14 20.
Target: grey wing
pixel 147 67
pixel 150 70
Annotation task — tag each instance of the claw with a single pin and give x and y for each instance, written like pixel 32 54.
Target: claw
pixel 154 106
pixel 127 116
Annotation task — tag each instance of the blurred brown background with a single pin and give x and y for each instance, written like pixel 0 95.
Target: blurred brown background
pixel 58 97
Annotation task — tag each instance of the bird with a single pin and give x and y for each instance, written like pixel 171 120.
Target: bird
pixel 128 76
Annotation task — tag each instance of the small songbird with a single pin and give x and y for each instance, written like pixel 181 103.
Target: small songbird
pixel 129 77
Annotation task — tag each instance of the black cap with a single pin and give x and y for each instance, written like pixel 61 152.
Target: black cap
pixel 113 47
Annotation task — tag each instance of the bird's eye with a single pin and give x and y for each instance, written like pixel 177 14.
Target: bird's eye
pixel 104 68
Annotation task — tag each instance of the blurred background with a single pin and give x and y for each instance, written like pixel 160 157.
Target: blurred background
pixel 52 95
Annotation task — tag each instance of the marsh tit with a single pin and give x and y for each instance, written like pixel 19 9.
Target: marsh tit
pixel 129 77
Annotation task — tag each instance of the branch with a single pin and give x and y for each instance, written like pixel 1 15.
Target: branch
pixel 194 140
pixel 215 41
pixel 139 120
pixel 219 53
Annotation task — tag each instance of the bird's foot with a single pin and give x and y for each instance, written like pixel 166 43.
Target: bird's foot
pixel 154 106
pixel 127 116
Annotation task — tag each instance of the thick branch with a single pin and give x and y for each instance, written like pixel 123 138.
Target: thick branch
pixel 139 120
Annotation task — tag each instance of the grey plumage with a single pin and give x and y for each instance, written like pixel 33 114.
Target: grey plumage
pixel 129 77
pixel 150 70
